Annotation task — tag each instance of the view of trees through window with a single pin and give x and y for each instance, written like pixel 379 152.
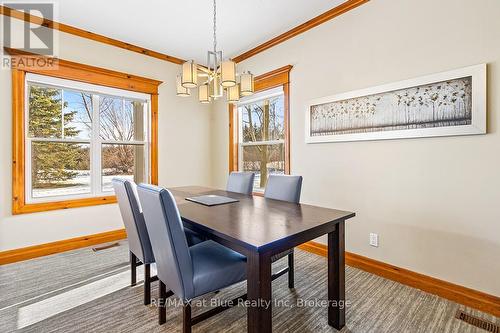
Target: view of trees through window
pixel 262 146
pixel 64 142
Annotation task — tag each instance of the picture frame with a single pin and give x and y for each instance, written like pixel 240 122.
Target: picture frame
pixel 443 104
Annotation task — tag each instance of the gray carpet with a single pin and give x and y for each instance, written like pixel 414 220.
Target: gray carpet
pixel 86 291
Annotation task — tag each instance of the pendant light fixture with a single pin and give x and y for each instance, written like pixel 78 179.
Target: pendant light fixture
pixel 181 91
pixel 233 93
pixel 220 75
pixel 203 93
pixel 246 84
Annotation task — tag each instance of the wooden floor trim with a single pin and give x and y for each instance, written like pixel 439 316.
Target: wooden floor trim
pixel 462 295
pixel 459 294
pixel 86 34
pixel 30 252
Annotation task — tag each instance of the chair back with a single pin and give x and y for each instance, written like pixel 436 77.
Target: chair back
pixel 173 260
pixel 284 187
pixel 130 209
pixel 240 182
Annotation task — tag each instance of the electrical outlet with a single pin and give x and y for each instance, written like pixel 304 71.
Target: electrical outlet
pixel 374 239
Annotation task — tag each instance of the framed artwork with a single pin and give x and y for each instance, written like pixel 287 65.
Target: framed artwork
pixel 443 104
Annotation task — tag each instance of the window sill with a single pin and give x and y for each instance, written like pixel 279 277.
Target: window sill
pixel 23 208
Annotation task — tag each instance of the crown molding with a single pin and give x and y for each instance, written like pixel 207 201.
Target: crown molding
pixel 320 19
pixel 6 11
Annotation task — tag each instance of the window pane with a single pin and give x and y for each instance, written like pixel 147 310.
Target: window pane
pixel 125 161
pixel 59 169
pixel 121 119
pixel 263 160
pixel 45 112
pixel 77 114
pixel 263 120
pixel 59 113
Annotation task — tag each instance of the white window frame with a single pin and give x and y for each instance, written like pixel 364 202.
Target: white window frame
pixel 95 140
pixel 266 94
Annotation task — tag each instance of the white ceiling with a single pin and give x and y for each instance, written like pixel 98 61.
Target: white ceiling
pixel 183 28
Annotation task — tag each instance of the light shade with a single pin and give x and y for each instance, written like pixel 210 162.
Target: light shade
pixel 233 94
pixel 189 74
pixel 246 84
pixel 215 88
pixel 228 73
pixel 181 91
pixel 203 93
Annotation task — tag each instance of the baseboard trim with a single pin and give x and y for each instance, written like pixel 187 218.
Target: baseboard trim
pixel 30 252
pixel 459 294
pixel 462 295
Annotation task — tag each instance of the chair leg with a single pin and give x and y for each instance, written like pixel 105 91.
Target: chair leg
pixel 133 266
pixel 162 300
pixel 291 275
pixel 186 318
pixel 147 284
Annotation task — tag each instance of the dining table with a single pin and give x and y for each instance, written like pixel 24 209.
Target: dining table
pixel 258 228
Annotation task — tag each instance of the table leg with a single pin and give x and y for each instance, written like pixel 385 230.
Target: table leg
pixel 259 311
pixel 336 277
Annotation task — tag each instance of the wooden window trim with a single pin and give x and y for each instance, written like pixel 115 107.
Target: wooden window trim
pixel 269 80
pixel 77 72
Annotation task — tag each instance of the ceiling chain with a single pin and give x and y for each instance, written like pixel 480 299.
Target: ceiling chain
pixel 215 26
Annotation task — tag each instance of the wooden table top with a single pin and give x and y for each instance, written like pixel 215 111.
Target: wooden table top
pixel 256 223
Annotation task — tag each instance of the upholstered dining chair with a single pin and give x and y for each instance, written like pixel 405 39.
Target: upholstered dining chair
pixel 138 238
pixel 188 272
pixel 284 188
pixel 240 182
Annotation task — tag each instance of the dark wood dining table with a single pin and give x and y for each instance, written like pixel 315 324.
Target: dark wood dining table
pixel 259 228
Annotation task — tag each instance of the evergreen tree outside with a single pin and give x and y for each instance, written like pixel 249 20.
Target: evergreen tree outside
pixel 53 162
pixel 61 132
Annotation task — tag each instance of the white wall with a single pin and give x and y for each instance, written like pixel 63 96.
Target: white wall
pixel 433 201
pixel 184 147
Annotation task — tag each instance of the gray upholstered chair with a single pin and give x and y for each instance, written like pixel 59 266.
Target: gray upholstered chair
pixel 138 238
pixel 187 271
pixel 240 182
pixel 285 188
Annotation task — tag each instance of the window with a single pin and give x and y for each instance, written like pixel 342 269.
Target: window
pixel 262 135
pixel 259 136
pixel 80 136
pixel 75 127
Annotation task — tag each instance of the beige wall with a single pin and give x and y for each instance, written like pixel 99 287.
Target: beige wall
pixel 433 201
pixel 184 147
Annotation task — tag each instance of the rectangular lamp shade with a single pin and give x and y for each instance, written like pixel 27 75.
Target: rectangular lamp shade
pixel 215 87
pixel 181 91
pixel 203 93
pixel 228 73
pixel 233 94
pixel 189 74
pixel 246 84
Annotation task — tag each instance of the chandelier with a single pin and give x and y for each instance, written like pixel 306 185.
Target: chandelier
pixel 219 76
